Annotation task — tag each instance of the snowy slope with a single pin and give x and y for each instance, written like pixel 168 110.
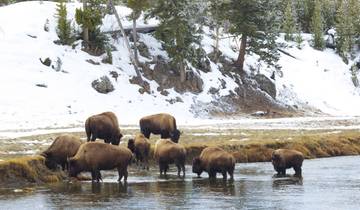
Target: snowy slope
pixel 69 98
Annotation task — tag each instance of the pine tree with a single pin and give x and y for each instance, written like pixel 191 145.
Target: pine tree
pixel 217 17
pixel 317 27
pixel 257 26
pixel 137 6
pixel 289 23
pixel 90 18
pixel 63 29
pixel 342 38
pixel 176 30
pixel 354 8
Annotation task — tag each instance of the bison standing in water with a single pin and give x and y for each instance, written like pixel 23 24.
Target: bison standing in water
pixel 163 124
pixel 96 156
pixel 63 147
pixel 214 160
pixel 140 147
pixel 103 126
pixel 167 152
pixel 283 159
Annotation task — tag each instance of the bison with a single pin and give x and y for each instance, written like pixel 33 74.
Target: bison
pixel 63 147
pixel 163 124
pixel 283 159
pixel 103 126
pixel 140 147
pixel 214 160
pixel 167 152
pixel 96 156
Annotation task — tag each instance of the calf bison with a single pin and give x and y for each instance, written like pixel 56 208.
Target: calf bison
pixel 163 124
pixel 140 147
pixel 96 156
pixel 103 126
pixel 214 160
pixel 283 159
pixel 63 147
pixel 167 152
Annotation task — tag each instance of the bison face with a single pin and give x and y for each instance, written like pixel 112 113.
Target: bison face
pixel 196 166
pixel 175 135
pixel 116 139
pixel 277 161
pixel 131 145
pixel 74 168
pixel 50 164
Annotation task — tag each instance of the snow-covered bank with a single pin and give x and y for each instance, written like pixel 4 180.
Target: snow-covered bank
pixel 317 79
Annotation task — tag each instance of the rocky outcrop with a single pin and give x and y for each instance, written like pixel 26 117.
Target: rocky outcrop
pixel 266 85
pixel 103 85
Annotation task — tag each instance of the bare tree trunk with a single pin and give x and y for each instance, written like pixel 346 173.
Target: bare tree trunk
pixel 134 33
pixel 217 32
pixel 241 57
pixel 85 29
pixel 132 56
pixel 182 72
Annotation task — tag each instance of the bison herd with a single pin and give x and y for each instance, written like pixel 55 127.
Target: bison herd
pixel 73 155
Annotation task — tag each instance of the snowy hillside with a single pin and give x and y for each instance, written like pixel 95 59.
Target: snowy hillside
pixel 317 79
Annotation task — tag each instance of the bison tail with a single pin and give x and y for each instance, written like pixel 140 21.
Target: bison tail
pixel 87 129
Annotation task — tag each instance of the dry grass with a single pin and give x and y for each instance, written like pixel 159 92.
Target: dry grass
pixel 27 170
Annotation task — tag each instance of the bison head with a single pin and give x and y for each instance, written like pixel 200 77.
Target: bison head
pixel 175 135
pixel 74 167
pixel 131 145
pixel 277 160
pixel 196 166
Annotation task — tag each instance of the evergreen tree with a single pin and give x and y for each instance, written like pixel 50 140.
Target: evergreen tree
pixel 354 13
pixel 342 38
pixel 176 30
pixel 289 23
pixel 217 17
pixel 328 12
pixel 137 6
pixel 257 26
pixel 317 27
pixel 63 28
pixel 90 18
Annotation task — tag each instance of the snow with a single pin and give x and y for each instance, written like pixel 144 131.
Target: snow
pixel 315 78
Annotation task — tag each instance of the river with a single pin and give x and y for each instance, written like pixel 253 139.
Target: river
pixel 328 183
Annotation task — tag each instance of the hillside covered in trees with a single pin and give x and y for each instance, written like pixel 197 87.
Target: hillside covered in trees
pixel 198 60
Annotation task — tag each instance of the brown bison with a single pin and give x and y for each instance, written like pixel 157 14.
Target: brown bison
pixel 167 152
pixel 103 126
pixel 283 159
pixel 63 147
pixel 214 160
pixel 96 156
pixel 163 124
pixel 140 147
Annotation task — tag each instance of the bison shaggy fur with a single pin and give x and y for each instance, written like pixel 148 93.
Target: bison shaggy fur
pixel 103 126
pixel 214 160
pixel 163 124
pixel 96 156
pixel 283 159
pixel 63 147
pixel 167 152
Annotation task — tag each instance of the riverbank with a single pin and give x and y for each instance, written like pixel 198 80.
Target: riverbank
pixel 21 164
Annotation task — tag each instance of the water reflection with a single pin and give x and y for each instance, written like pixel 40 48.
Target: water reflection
pixel 253 188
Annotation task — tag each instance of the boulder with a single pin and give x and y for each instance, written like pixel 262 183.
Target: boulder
pixel 103 85
pixel 266 85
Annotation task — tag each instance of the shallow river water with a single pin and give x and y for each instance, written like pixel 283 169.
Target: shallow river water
pixel 328 183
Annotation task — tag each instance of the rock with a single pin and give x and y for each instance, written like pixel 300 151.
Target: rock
pixel 143 50
pixel 46 62
pixel 114 75
pixel 266 85
pixel 92 62
pixel 41 85
pixel 103 85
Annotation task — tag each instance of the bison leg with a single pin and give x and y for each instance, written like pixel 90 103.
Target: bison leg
pixel 120 172
pixel 179 169
pixel 224 174
pixel 231 173
pixel 297 171
pixel 212 174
